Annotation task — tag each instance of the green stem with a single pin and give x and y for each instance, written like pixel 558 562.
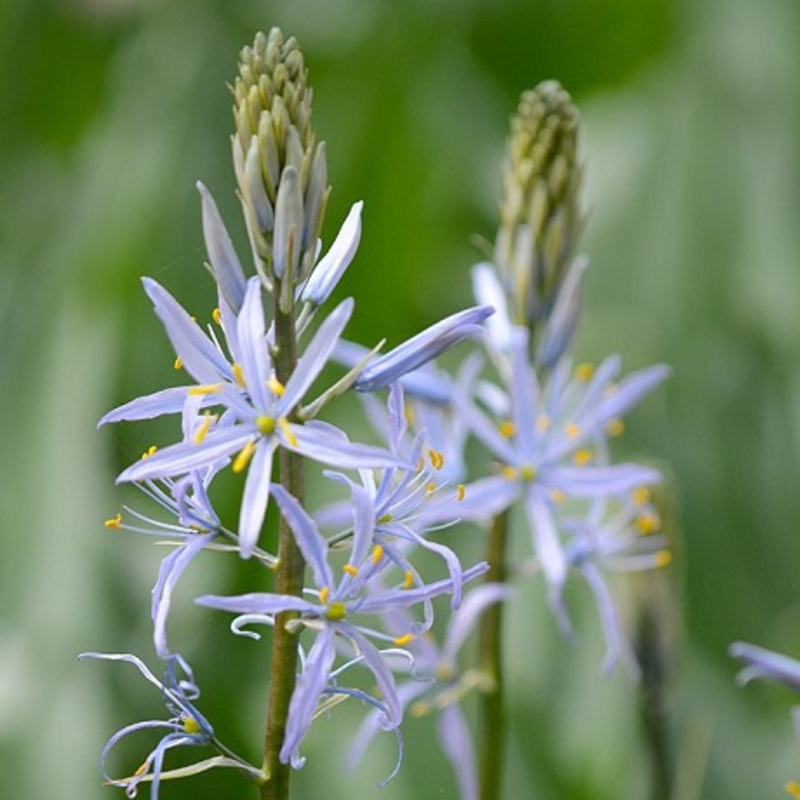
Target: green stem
pixel 288 580
pixel 492 710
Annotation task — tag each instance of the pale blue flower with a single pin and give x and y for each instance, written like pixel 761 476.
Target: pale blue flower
pixel 256 407
pixel 329 608
pixel 550 446
pixel 186 726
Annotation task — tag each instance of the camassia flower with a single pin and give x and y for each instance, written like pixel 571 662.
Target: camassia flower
pixel 185 727
pixel 329 610
pixel 549 442
pixel 256 407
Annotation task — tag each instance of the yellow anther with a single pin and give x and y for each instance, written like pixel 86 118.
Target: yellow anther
pixel 436 458
pixel 150 450
pixel 648 523
pixel 265 424
pixel 287 431
pixel 510 473
pixel 615 427
pixel 573 431
pixel 323 595
pixel 275 386
pixel 461 492
pixel 584 371
pixel 141 768
pixel 115 523
pixel 238 375
pixel 403 640
pixel 216 315
pixel 420 465
pixel 243 458
pixel 793 788
pixel 210 388
pixel 350 570
pixel 582 457
pixel 557 496
pixel 543 423
pixel 507 428
pixel 664 557
pixel 430 488
pixel 419 709
pixel 336 611
pixel 177 363
pixel 190 725
pixel 203 429
pixel 641 496
pixel 408 581
pixel 527 472
pixel 377 554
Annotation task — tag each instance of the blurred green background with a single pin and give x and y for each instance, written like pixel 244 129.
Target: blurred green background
pixel 112 109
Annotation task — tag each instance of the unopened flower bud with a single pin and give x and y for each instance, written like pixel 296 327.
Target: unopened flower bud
pixel 540 218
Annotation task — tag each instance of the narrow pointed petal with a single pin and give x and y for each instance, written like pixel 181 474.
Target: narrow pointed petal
pixel 257 603
pixel 316 355
pixel 591 481
pixel 546 542
pixel 328 272
pixel 631 390
pixel 762 663
pixel 178 459
pixel 311 543
pixel 422 348
pixel 200 357
pixel 228 272
pixel 319 445
pixel 525 401
pixel 172 567
pixel 256 496
pixel 463 622
pixel 305 698
pixel 167 401
pixel 487 290
pixel 456 742
pixel 253 345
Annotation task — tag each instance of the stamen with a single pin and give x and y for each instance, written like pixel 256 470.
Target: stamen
pixel 663 557
pixel 408 582
pixel 507 428
pixel 243 459
pixel 177 363
pixel 211 388
pixel 150 450
pixel 573 430
pixel 377 554
pixel 641 496
pixel 238 375
pixel 584 371
pixel 543 423
pixel 275 386
pixel 384 519
pixel 615 427
pixel 216 315
pixel 323 594
pixel 205 426
pixel 793 788
pixel 648 523
pixel 283 424
pixel 402 640
pixel 115 523
pixel 509 473
pixel 350 570
pixel 557 496
pixel 461 492
pixel 437 459
pixel 582 457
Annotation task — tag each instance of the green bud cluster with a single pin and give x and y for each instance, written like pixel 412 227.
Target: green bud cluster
pixel 540 221
pixel 281 172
